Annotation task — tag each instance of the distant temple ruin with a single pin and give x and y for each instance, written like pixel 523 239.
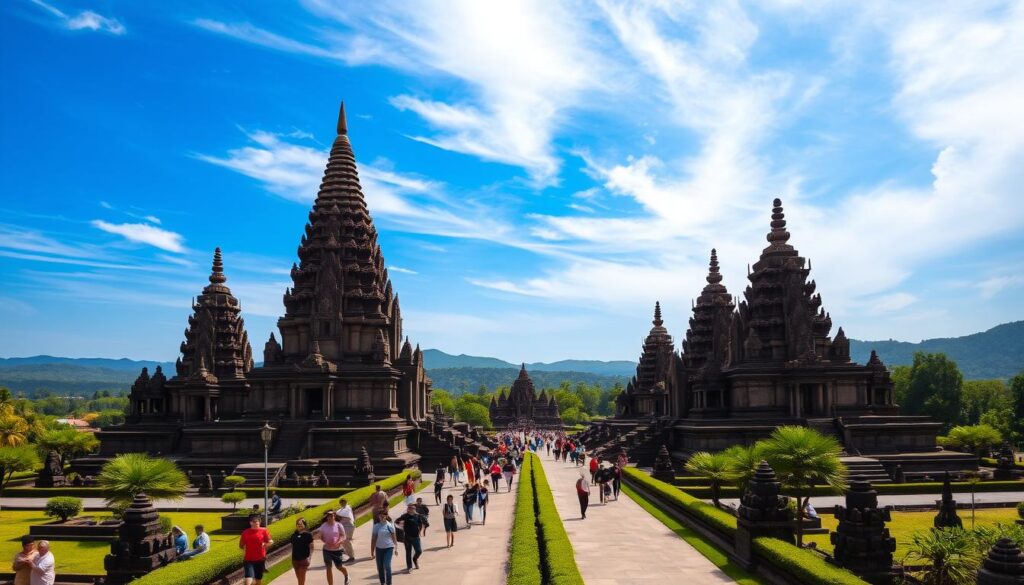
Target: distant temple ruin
pixel 523 407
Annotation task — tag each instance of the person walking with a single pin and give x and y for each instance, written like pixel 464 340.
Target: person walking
pixel 408 488
pixel 22 565
pixel 43 572
pixel 332 533
pixel 413 528
pixel 378 502
pixel 468 501
pixel 347 517
pixel 382 546
pixel 424 511
pixel 438 486
pixel 453 469
pixel 470 471
pixel 495 475
pixel 616 481
pixel 583 493
pixel 481 502
pixel 451 525
pixel 302 551
pixel 508 470
pixel 593 469
pixel 255 540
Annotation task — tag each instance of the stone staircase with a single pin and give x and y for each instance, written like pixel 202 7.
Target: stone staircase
pixel 253 473
pixel 866 467
pixel 826 426
pixel 290 441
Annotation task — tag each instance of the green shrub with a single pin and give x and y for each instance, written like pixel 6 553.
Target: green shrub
pixel 559 557
pixel 991 462
pixel 803 565
pixel 233 498
pixel 1020 510
pixel 524 558
pixel 165 524
pixel 719 520
pixel 317 492
pixel 218 561
pixel 63 507
pixel 931 487
pixel 233 481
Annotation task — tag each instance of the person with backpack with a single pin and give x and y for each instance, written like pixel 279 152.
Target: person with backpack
pixel 451 525
pixel 481 502
pixel 382 546
pixel 424 511
pixel 583 493
pixel 468 501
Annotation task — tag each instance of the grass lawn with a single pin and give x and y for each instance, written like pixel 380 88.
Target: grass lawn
pixel 904 524
pixel 87 557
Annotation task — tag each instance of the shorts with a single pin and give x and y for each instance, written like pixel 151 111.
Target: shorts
pixel 254 569
pixel 450 525
pixel 300 563
pixel 332 557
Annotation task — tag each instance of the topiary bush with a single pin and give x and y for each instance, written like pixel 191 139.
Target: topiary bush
pixel 63 507
pixel 233 498
pixel 558 553
pixel 718 520
pixel 805 566
pixel 524 558
pixel 233 481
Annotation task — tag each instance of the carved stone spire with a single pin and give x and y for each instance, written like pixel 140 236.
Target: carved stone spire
pixel 657 314
pixel 778 236
pixel 947 516
pixel 1004 564
pixel 861 541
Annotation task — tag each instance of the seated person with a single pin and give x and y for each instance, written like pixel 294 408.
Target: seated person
pixel 275 503
pixel 809 511
pixel 200 544
pixel 180 540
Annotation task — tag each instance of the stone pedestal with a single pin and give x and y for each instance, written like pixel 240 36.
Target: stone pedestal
pixel 141 545
pixel 1004 466
pixel 52 474
pixel 663 469
pixel 1004 565
pixel 364 469
pixel 947 517
pixel 762 512
pixel 862 542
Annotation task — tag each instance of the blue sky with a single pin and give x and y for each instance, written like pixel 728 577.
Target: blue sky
pixel 540 172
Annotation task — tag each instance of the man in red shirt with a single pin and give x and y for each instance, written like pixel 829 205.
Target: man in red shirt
pixel 255 541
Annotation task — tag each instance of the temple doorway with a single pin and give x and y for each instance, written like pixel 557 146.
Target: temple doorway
pixel 314 402
pixel 807 399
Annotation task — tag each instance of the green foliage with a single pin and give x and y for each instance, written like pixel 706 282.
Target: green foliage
pixel 981 396
pixel 1017 404
pixel 443 398
pixel 220 560
pixel 558 554
pixel 806 567
pixel 129 474
pixel 934 388
pixel 950 556
pixel 743 461
pixel 715 467
pixel 472 412
pixel 106 418
pixel 1020 510
pixel 233 498
pixel 14 430
pixel 883 489
pixel 233 481
pixel 524 559
pixel 63 507
pixel 900 382
pixel 67 442
pixel 718 520
pixel 14 460
pixel 978 439
pixel 310 492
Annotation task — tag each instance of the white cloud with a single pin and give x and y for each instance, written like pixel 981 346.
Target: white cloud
pixel 144 234
pixel 990 287
pixel 84 20
pixel 398 269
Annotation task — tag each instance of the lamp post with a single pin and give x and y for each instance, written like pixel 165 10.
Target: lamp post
pixel 266 435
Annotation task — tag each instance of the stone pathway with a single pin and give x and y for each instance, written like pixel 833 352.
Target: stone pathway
pixel 620 543
pixel 480 555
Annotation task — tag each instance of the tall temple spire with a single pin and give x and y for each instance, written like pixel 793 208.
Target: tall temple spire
pixel 342 122
pixel 778 236
pixel 217 272
pixel 714 277
pixel 657 314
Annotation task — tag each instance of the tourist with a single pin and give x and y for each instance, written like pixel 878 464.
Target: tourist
pixel 438 486
pixel 408 488
pixel 378 502
pixel 180 541
pixel 616 481
pixel 22 566
pixel 509 471
pixel 470 472
pixel 382 546
pixel 547 445
pixel 332 534
pixel 451 525
pixel 200 544
pixel 255 541
pixel 439 477
pixel 481 501
pixel 43 565
pixel 302 551
pixel 593 469
pixel 453 469
pixel 412 524
pixel 468 501
pixel 424 511
pixel 809 510
pixel 275 503
pixel 347 518
pixel 495 475
pixel 583 493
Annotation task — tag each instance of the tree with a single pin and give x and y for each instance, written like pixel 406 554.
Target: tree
pixel 233 481
pixel 978 439
pixel 473 413
pixel 934 388
pixel 444 399
pixel 948 555
pixel 233 498
pixel 14 430
pixel 981 396
pixel 803 458
pixel 1017 403
pixel 127 475
pixel 106 418
pixel 900 382
pixel 63 506
pixel 14 460
pixel 715 467
pixel 68 443
pixel 743 461
pixel 573 416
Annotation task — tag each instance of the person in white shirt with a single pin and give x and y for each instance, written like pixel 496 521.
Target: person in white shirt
pixel 43 566
pixel 347 519
pixel 200 544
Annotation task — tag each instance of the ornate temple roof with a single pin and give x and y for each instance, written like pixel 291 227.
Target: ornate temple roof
pixel 341 280
pixel 216 344
pixel 707 338
pixel 653 373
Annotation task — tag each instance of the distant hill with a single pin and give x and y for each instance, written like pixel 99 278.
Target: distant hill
pixel 435 358
pixel 996 353
pixel 461 380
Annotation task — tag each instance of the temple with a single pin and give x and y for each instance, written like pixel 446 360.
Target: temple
pixel 746 368
pixel 340 376
pixel 523 407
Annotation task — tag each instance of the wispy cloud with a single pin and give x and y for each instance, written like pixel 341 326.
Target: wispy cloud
pixel 144 234
pixel 84 20
pixel 398 269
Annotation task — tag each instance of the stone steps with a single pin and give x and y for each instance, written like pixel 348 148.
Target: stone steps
pixel 866 467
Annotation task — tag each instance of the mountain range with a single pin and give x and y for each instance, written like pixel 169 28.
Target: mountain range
pixel 996 353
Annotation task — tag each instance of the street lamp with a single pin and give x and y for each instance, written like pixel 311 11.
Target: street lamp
pixel 266 435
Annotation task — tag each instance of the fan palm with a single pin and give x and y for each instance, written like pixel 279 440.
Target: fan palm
pixel 125 476
pixel 713 466
pixel 949 556
pixel 67 443
pixel 14 430
pixel 803 458
pixel 743 461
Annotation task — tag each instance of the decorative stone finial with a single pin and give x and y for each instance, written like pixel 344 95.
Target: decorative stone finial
pixel 342 122
pixel 1004 564
pixel 947 517
pixel 657 314
pixel 861 541
pixel 217 273
pixel 778 236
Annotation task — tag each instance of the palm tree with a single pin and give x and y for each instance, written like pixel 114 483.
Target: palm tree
pixel 803 458
pixel 125 476
pixel 15 459
pixel 67 443
pixel 14 430
pixel 949 556
pixel 713 466
pixel 743 462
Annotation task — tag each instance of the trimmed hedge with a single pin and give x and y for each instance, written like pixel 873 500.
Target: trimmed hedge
pixel 558 553
pixel 292 492
pixel 34 492
pixel 524 558
pixel 224 559
pixel 990 462
pixel 717 519
pixel 807 567
pixel 884 489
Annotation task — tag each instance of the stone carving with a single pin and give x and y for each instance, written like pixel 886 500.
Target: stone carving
pixel 52 474
pixel 1004 564
pixel 663 468
pixel 364 468
pixel 141 545
pixel 763 511
pixel 1005 465
pixel 861 540
pixel 947 516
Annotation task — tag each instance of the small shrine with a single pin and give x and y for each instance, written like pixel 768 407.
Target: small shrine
pixel 861 542
pixel 142 545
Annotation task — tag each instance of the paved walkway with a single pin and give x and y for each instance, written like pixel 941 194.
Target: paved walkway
pixel 620 543
pixel 480 555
